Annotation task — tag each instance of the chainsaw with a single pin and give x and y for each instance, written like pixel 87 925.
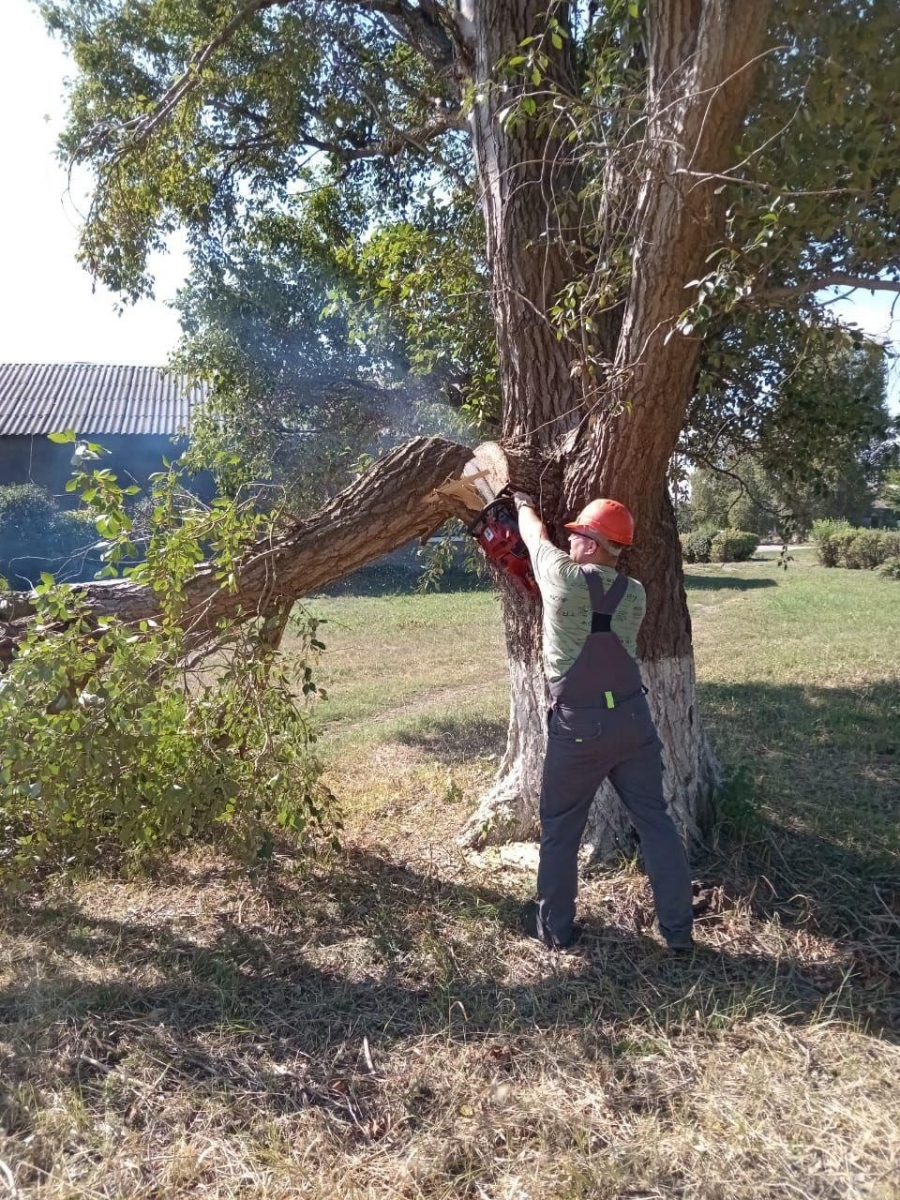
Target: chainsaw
pixel 496 530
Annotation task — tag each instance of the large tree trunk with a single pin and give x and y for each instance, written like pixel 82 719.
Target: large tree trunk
pixel 700 55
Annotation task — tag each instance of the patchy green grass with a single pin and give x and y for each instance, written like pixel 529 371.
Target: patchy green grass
pixel 393 657
pixel 373 1025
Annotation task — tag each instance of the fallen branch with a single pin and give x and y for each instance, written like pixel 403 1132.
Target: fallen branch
pixel 396 500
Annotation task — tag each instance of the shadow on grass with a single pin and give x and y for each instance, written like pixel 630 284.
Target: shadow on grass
pixel 810 813
pixel 710 583
pixel 822 760
pixel 450 739
pixel 267 1003
pixel 430 947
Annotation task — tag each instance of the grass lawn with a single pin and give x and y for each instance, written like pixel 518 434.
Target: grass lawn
pixel 374 1025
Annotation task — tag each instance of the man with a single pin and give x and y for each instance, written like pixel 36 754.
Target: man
pixel 600 723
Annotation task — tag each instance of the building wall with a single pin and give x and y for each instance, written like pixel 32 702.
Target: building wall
pixel 133 458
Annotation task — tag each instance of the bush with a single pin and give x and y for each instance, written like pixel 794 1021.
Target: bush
pixel 696 547
pixel 27 529
pixel 733 545
pixel 890 568
pixel 829 539
pixel 864 550
pixel 112 747
pixel 839 544
pixel 35 536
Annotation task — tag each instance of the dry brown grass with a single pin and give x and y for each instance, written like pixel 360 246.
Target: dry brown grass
pixel 368 1027
pixel 374 1024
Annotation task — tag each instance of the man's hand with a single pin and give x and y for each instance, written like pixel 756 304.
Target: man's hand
pixel 523 500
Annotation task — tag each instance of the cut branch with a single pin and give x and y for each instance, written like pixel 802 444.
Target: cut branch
pixel 395 501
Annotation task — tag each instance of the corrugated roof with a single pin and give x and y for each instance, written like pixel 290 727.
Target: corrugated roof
pixel 93 398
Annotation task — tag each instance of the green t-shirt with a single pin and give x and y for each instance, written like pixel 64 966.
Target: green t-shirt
pixel 567 608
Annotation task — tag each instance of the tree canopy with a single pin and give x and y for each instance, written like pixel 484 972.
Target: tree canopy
pixel 319 150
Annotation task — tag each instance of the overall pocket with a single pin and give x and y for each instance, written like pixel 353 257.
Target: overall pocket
pixel 577 724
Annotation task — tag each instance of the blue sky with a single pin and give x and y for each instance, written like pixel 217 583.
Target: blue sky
pixel 51 310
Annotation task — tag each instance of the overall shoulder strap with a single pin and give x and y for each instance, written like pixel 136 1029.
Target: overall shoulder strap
pixel 604 603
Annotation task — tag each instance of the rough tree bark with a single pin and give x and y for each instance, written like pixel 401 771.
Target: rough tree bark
pixel 701 55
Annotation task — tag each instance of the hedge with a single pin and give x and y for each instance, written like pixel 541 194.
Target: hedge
pixel 733 545
pixel 840 544
pixel 718 545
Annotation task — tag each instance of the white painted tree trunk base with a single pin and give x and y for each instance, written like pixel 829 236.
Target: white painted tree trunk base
pixel 509 811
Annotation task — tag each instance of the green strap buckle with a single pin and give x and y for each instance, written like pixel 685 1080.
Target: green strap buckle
pixel 610 703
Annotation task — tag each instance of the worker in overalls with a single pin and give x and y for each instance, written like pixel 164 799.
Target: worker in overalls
pixel 600 724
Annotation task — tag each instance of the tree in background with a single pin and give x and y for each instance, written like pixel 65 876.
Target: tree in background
pixel 657 184
pixel 309 376
pixel 817 448
pixel 889 493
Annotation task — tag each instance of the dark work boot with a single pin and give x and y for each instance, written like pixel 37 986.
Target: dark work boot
pixel 536 928
pixel 682 946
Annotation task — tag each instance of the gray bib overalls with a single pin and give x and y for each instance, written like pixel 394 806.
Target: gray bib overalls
pixel 599 726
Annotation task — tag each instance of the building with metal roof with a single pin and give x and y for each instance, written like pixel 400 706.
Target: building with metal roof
pixel 94 398
pixel 139 414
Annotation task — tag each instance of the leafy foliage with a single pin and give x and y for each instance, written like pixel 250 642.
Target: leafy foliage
pixel 709 544
pixel 733 545
pixel 840 544
pixel 890 568
pixel 815 444
pixel 342 179
pixel 828 538
pixel 696 546
pixel 36 536
pixel 119 740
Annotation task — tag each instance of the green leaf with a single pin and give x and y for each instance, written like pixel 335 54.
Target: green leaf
pixel 61 438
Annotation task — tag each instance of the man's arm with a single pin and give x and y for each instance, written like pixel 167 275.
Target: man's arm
pixel 531 527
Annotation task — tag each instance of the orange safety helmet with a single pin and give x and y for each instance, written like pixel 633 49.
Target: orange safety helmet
pixel 608 517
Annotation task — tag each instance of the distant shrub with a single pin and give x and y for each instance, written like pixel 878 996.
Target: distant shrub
pixel 840 544
pixel 25 508
pixel 733 545
pixel 890 568
pixel 696 547
pixel 36 536
pixel 28 533
pixel 829 539
pixel 864 551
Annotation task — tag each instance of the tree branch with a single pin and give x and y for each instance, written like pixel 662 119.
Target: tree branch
pixel 777 297
pixel 396 500
pixel 422 27
pixel 142 127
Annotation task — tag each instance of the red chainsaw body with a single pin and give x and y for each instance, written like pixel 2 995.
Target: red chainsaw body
pixel 496 531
